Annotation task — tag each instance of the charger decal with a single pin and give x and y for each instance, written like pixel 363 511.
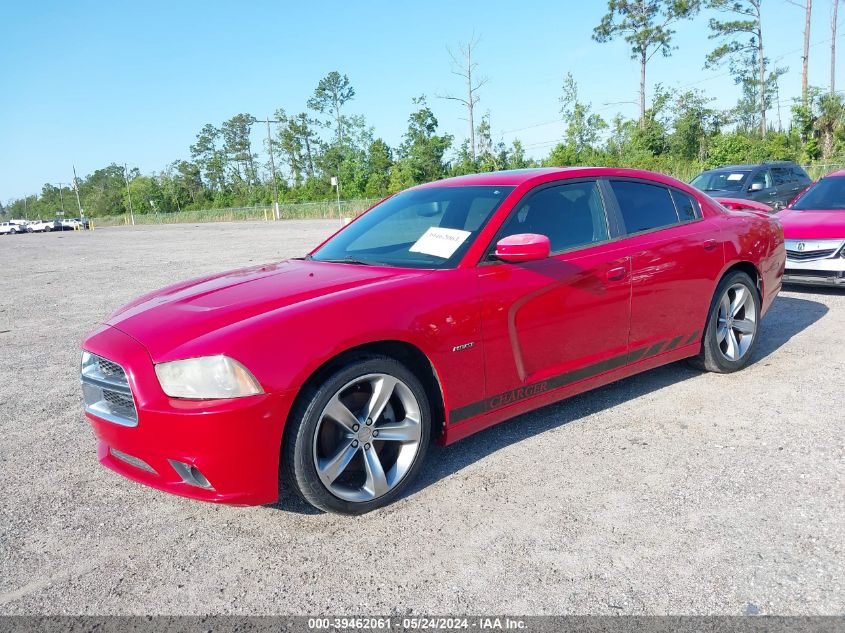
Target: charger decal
pixel 562 380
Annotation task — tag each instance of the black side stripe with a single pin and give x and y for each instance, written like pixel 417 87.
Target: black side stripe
pixel 652 351
pixel 673 343
pixel 692 338
pixel 535 388
pixel 467 411
pixel 561 380
pixel 634 356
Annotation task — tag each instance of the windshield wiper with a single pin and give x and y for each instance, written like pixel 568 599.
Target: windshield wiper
pixel 350 260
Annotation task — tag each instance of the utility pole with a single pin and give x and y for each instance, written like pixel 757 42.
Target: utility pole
pixel 268 121
pixel 76 188
pixel 833 16
pixel 62 195
pixel 128 193
pixel 806 57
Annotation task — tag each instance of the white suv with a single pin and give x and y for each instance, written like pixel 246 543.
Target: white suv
pixel 41 226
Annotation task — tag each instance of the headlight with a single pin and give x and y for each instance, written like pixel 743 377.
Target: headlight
pixel 206 378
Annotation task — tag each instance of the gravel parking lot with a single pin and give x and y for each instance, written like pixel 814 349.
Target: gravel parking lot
pixel 671 492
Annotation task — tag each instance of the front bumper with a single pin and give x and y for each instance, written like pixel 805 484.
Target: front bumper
pixel 234 444
pixel 816 278
pixel 820 272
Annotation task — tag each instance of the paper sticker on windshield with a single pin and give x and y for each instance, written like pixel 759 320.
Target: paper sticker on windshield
pixel 440 242
pixel 736 176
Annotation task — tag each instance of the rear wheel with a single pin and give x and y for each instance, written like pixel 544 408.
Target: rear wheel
pixel 355 441
pixel 730 335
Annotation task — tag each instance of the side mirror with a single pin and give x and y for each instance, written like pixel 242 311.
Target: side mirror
pixel 523 247
pixel 756 186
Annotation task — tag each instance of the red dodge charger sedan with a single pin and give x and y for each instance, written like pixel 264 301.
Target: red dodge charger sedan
pixel 442 310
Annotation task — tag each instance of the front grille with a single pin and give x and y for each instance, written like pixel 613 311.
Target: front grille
pixel 106 390
pixel 803 256
pixel 119 403
pixel 108 368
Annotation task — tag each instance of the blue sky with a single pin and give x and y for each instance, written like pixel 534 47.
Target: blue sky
pixel 89 83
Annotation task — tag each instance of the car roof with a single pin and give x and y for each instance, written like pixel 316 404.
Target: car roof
pixel 517 177
pixel 510 177
pixel 733 168
pixel 750 166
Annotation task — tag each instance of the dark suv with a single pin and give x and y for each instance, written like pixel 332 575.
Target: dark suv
pixel 775 183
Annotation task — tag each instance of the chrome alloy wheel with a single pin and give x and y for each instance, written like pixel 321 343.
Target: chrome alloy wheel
pixel 367 437
pixel 737 322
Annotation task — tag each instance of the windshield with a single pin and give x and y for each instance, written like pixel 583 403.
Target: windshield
pixel 827 194
pixel 726 180
pixel 422 228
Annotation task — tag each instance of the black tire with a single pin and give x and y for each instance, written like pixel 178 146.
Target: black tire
pixel 711 357
pixel 299 470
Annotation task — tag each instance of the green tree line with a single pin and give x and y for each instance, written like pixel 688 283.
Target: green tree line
pixel 677 131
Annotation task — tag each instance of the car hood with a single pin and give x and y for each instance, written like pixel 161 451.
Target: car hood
pixel 813 225
pixel 175 315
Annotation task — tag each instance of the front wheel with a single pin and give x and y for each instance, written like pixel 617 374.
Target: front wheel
pixel 356 440
pixel 732 326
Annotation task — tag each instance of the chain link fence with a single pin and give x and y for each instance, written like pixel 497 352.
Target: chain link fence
pixel 818 170
pixel 296 211
pixel 321 210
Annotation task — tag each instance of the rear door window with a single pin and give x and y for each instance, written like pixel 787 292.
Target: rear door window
pixel 799 174
pixel 764 177
pixel 687 206
pixel 781 176
pixel 644 206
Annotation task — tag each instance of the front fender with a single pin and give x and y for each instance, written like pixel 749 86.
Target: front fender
pixel 438 314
